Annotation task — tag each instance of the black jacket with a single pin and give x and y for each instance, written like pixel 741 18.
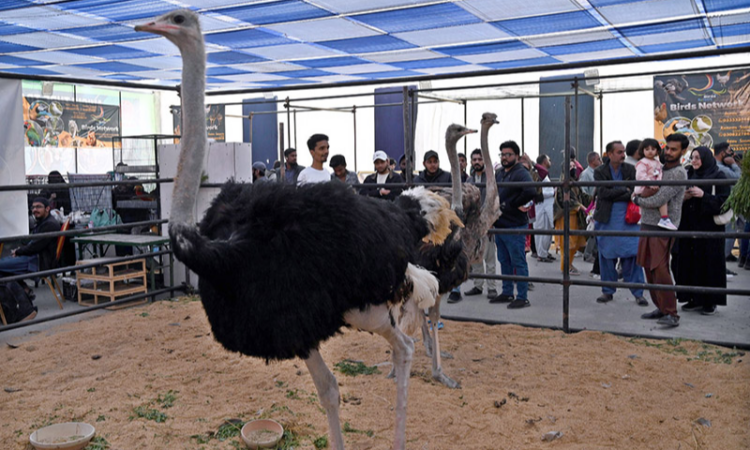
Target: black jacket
pixel 393 177
pixel 607 195
pixel 440 176
pixel 513 197
pixel 45 248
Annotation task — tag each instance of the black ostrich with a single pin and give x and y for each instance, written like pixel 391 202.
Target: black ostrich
pixel 283 269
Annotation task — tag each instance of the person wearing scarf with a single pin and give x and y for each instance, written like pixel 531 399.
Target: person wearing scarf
pixel 701 262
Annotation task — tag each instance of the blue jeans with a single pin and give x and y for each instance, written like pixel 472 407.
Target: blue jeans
pixel 744 242
pixel 631 273
pixel 512 257
pixel 18 265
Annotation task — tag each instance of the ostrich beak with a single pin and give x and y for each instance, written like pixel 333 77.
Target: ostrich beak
pixel 467 131
pixel 156 27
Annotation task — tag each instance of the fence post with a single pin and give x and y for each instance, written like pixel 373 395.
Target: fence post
pixel 566 219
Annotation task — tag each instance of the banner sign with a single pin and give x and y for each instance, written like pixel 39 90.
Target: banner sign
pixel 214 122
pixel 709 108
pixel 63 123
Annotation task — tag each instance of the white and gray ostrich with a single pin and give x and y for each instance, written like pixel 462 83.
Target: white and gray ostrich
pixel 452 260
pixel 282 269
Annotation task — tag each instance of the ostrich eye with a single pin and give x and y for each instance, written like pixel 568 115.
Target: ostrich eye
pixel 179 19
pixel 423 213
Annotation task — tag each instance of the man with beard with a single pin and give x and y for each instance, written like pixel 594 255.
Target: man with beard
pixel 38 254
pixel 487 265
pixel 259 172
pixel 654 252
pixel 432 172
pixel 383 174
pixel 511 247
pixel 291 168
pixel 316 173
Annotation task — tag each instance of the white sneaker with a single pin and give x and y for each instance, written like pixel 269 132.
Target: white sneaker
pixel 666 223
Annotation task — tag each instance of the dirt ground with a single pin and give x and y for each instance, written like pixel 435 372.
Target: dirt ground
pixel 154 378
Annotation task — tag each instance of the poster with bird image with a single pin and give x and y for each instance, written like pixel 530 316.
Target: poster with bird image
pixel 706 107
pixel 215 127
pixel 64 123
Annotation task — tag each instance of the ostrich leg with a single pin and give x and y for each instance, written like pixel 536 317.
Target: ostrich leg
pixel 377 320
pixel 432 346
pixel 328 392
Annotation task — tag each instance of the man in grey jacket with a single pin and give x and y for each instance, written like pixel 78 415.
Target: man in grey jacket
pixel 725 160
pixel 654 252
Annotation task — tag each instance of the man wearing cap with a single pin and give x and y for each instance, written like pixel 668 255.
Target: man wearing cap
pixel 316 173
pixel 432 172
pixel 338 164
pixel 383 174
pixel 259 172
pixel 38 253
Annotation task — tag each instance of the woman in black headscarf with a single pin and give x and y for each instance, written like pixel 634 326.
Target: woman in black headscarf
pixel 700 262
pixel 59 197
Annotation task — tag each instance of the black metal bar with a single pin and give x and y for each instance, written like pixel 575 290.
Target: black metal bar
pixel 31 187
pixel 728 344
pixel 575 89
pixel 45 273
pixel 674 234
pixel 601 125
pixel 408 151
pixel 616 284
pixel 354 118
pixel 566 219
pixel 466 124
pixel 523 125
pixel 75 312
pixel 87 231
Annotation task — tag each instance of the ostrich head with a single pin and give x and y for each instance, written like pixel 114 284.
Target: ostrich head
pixel 454 133
pixel 181 27
pixel 489 119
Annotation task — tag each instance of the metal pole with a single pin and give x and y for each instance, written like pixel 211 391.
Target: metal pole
pixel 295 129
pixel 282 166
pixel 523 126
pixel 601 123
pixel 408 151
pixel 566 219
pixel 354 116
pixel 578 148
pixel 250 118
pixel 288 121
pixel 466 123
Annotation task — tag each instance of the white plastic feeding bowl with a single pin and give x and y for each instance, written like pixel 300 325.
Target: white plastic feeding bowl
pixel 63 436
pixel 264 433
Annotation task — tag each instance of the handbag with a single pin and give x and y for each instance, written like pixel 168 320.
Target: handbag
pixel 633 214
pixel 725 217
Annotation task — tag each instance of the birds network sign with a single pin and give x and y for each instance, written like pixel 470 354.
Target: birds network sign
pixel 61 123
pixel 707 107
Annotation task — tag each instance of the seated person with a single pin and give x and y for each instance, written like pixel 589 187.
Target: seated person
pixel 58 197
pixel 37 254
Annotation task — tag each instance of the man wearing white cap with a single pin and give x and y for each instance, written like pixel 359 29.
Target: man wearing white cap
pixel 383 174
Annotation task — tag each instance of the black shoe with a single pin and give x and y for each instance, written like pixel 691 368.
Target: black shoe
pixel 742 262
pixel 454 297
pixel 491 293
pixel 605 298
pixel 519 303
pixel 502 298
pixel 546 259
pixel 691 306
pixel 641 301
pixel 534 255
pixel 709 310
pixel 731 274
pixel 655 314
pixel 731 258
pixel 670 321
pixel 473 291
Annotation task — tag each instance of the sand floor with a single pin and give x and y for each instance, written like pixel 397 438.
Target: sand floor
pixel 154 378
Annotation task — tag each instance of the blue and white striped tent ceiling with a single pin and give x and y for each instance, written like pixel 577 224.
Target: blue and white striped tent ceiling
pixel 273 44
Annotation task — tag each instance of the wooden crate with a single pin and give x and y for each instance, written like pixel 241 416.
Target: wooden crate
pixel 120 279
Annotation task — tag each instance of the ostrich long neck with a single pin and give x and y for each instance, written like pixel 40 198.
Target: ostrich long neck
pixel 194 140
pixel 457 204
pixel 490 206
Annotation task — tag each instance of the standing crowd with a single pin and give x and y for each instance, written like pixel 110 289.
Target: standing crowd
pixel 657 260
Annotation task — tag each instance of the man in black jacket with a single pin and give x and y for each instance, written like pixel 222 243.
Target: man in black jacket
pixel 432 172
pixel 511 247
pixel 38 254
pixel 383 174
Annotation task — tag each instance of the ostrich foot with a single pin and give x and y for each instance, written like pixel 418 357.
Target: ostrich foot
pixel 446 355
pixel 446 380
pixel 392 374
